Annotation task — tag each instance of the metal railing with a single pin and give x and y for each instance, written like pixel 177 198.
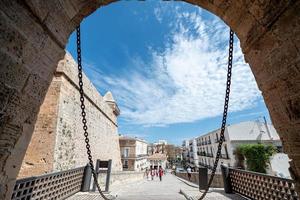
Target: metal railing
pixel 133 156
pixel 209 155
pixel 257 186
pixel 50 186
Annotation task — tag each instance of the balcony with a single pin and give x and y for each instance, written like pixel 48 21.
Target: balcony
pixel 210 155
pixel 218 140
pixel 129 156
pixel 203 153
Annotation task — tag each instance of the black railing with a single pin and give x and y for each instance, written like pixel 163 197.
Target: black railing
pixel 203 153
pixel 256 185
pixel 50 186
pixel 209 155
pixel 218 140
pixel 133 156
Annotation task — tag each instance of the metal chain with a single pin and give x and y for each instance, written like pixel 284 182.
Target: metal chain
pixel 223 126
pixel 83 114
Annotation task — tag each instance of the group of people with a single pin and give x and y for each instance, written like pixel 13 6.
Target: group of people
pixel 152 172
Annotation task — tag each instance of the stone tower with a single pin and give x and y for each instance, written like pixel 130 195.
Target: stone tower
pixel 58 142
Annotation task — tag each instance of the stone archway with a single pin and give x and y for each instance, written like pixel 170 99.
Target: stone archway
pixel 33 37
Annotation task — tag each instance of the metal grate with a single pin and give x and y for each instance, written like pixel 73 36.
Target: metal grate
pixel 260 186
pixel 50 186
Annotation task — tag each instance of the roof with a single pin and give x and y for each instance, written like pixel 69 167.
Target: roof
pixel 157 156
pixel 132 138
pixel 252 130
pixel 109 97
pixel 248 130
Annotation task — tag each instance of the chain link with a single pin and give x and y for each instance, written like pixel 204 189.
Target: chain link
pixel 83 114
pixel 223 126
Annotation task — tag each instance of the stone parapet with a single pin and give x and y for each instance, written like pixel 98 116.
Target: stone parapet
pixel 217 181
pixel 121 177
pixel 68 68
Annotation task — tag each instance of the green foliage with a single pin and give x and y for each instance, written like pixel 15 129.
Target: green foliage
pixel 257 156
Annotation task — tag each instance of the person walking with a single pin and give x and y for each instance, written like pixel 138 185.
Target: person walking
pixel 152 172
pixel 189 171
pixel 147 173
pixel 160 173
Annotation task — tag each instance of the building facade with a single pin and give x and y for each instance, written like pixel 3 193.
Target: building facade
pixel 133 153
pixel 158 160
pixel 250 132
pixel 185 150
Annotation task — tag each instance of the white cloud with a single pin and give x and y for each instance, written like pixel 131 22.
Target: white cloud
pixel 186 81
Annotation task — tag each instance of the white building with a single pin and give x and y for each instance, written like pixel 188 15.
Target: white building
pixel 249 132
pixel 185 150
pixel 133 153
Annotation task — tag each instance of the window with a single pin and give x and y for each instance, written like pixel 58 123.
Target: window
pixel 126 152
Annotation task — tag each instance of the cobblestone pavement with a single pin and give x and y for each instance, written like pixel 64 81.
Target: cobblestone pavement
pixel 168 189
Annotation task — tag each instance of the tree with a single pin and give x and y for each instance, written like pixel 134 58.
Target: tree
pixel 257 156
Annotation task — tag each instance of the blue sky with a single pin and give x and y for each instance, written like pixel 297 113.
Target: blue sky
pixel 165 63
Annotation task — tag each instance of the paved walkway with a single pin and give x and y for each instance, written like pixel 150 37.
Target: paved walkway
pixel 168 189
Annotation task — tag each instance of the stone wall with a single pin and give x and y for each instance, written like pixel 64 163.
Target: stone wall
pixel 121 177
pixel 58 130
pixel 39 157
pixel 217 181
